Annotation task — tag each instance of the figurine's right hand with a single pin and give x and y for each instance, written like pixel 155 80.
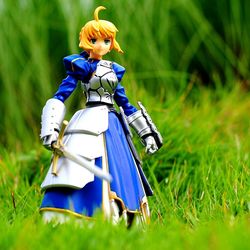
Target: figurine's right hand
pixel 49 140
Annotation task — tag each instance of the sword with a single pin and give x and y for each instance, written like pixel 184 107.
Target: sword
pixel 60 150
pixel 56 145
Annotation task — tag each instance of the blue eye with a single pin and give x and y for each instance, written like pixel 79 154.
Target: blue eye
pixel 93 40
pixel 107 41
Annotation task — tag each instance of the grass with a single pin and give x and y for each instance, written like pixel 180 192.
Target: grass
pixel 34 235
pixel 200 178
pixel 188 62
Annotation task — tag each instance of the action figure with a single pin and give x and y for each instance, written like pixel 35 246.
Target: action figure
pixel 95 165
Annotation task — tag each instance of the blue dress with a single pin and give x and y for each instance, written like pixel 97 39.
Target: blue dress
pixel 129 187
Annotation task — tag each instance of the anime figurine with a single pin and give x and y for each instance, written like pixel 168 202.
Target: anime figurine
pixel 96 144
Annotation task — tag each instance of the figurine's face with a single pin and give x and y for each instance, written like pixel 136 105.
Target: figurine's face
pixel 101 46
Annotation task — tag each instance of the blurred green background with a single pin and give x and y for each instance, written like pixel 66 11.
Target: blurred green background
pixel 167 45
pixel 188 62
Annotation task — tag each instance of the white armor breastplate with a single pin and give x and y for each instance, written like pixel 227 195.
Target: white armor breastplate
pixel 102 84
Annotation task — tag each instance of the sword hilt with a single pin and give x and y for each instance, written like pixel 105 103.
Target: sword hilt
pixel 56 146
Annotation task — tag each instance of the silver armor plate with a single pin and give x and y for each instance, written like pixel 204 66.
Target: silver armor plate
pixel 52 116
pixel 102 84
pixel 84 136
pixel 92 120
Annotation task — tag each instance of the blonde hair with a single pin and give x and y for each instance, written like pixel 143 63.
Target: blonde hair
pixel 98 28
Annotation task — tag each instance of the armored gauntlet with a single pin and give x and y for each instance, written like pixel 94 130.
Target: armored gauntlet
pixel 52 117
pixel 142 123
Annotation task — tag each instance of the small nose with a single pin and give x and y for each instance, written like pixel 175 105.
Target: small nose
pixel 99 44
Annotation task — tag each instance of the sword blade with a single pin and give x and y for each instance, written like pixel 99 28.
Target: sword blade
pixel 86 164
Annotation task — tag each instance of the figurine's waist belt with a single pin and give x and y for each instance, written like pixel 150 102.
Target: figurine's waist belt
pixel 97 104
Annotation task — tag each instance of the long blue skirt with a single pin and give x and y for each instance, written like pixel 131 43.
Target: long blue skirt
pixel 126 185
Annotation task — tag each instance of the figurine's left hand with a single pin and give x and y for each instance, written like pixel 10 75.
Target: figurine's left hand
pixel 151 146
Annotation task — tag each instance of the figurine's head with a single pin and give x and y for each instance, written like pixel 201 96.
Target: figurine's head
pixel 95 30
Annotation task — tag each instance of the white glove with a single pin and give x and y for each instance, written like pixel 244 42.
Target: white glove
pixel 49 140
pixel 151 146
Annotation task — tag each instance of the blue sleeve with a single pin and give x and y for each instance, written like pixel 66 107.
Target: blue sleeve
pixel 120 95
pixel 119 71
pixel 77 68
pixel 122 100
pixel 66 88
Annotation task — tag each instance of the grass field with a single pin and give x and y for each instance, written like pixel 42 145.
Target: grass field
pixel 188 63
pixel 200 178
